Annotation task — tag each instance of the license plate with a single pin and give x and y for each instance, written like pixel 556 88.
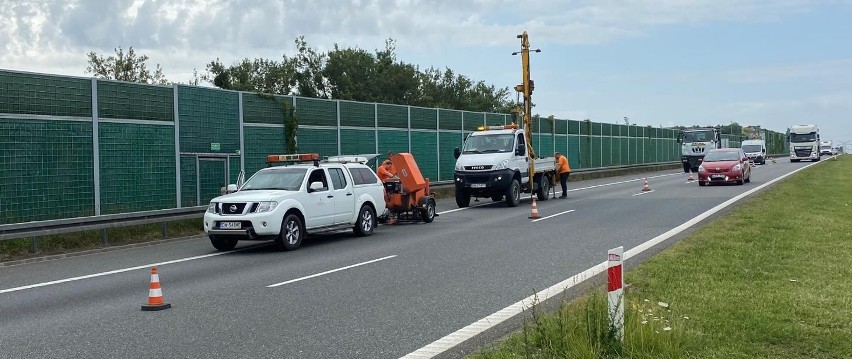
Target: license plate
pixel 230 225
pixel 477 185
pixel 717 176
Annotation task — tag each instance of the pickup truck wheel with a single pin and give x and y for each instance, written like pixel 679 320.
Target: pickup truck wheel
pixel 462 198
pixel 223 244
pixel 429 213
pixel 513 194
pixel 366 221
pixel 292 233
pixel 543 188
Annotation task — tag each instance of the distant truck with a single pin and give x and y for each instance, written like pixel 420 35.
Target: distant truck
pixel 804 142
pixel 755 150
pixel 826 148
pixel 493 163
pixel 695 143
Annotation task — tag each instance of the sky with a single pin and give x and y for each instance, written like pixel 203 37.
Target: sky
pixel 772 63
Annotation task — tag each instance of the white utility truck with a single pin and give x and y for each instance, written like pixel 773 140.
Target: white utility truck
pixel 304 196
pixel 494 164
pixel 826 148
pixel 804 142
pixel 695 143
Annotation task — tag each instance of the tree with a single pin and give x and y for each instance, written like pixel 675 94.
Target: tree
pixel 125 67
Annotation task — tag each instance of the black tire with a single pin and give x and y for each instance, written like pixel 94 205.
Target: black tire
pixel 794 161
pixel 366 221
pixel 543 187
pixel 292 233
pixel 223 244
pixel 740 182
pixel 497 197
pixel 702 184
pixel 462 198
pixel 428 214
pixel 686 168
pixel 748 179
pixel 513 194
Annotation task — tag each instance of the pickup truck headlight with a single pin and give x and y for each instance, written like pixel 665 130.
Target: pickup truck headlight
pixel 502 165
pixel 459 167
pixel 266 206
pixel 212 207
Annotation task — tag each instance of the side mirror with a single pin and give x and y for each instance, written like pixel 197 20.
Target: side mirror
pixel 315 186
pixel 232 188
pixel 457 152
pixel 679 140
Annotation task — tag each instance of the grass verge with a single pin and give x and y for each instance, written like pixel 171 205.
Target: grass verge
pixel 78 241
pixel 768 280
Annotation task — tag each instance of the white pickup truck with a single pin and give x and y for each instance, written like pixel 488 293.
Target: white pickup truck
pixel 494 163
pixel 286 203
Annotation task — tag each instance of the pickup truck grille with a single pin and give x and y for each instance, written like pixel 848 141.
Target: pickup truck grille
pixel 233 208
pixel 478 179
pixel 478 168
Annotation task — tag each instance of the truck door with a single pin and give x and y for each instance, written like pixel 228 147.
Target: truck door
pixel 520 159
pixel 319 210
pixel 342 196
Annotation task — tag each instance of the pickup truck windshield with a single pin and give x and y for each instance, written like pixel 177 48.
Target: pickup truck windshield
pixel 489 143
pixel 288 178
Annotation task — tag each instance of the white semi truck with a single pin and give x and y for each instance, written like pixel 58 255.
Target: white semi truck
pixel 804 142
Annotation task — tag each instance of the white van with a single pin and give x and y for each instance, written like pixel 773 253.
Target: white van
pixel 755 150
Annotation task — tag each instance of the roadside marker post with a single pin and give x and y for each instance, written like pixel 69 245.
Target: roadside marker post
pixel 615 290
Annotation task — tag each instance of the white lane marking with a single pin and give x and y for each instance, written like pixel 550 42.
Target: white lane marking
pixel 328 272
pixel 641 193
pixel 570 190
pixel 448 342
pixel 146 266
pixel 552 215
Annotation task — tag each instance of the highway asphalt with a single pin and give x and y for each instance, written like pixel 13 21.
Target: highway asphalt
pixel 340 296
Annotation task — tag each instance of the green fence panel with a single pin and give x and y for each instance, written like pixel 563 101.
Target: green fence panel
pixel 393 116
pixel 496 119
pixel 561 144
pixel 424 146
pixel 448 141
pixel 357 114
pixel 261 142
pixel 359 142
pixel 209 120
pixel 392 140
pixel 46 168
pixel 449 119
pixel 597 152
pixel 211 172
pixel 234 167
pixel 265 108
pixel 424 118
pixel 316 112
pixel 472 120
pixel 321 141
pixel 561 127
pixel 123 100
pixel 547 145
pixel 34 94
pixel 188 182
pixel 606 152
pixel 575 153
pixel 137 167
pixel 574 127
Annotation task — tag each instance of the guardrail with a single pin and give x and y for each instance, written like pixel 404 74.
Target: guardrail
pixel 103 222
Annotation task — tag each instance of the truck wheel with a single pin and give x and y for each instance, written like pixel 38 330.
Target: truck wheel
pixel 462 198
pixel 292 233
pixel 513 194
pixel 428 214
pixel 686 168
pixel 366 221
pixel 543 188
pixel 223 244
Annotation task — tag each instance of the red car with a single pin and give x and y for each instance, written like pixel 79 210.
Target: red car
pixel 724 165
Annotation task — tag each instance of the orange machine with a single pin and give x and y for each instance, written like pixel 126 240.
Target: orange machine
pixel 407 196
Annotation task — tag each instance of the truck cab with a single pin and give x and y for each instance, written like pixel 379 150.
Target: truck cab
pixel 755 150
pixel 695 143
pixel 494 163
pixel 804 142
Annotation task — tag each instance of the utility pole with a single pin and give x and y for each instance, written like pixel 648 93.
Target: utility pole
pixel 526 88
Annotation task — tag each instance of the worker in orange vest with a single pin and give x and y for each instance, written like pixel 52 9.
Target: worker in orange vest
pixel 386 171
pixel 563 169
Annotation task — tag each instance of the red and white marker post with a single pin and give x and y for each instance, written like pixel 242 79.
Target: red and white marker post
pixel 615 290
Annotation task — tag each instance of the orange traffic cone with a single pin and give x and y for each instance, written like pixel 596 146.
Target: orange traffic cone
pixel 534 213
pixel 155 294
pixel 645 187
pixel 690 179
